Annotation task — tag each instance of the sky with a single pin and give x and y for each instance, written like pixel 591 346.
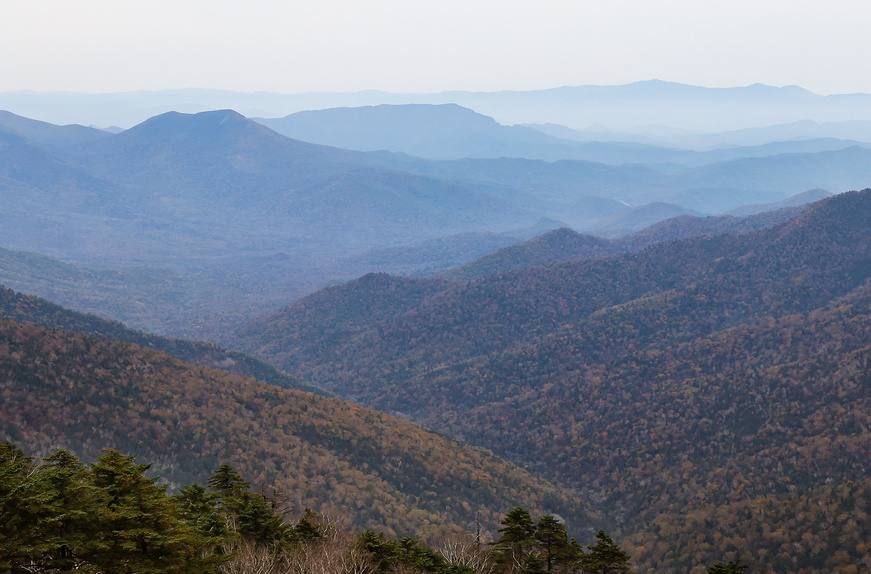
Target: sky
pixel 420 46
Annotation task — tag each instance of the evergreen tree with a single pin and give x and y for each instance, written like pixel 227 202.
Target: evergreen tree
pixel 140 530
pixel 411 553
pixel 199 509
pixel 382 552
pixel 72 531
pixel 309 528
pixel 258 522
pixel 226 482
pixel 24 508
pixel 605 557
pixel 516 537
pixel 551 536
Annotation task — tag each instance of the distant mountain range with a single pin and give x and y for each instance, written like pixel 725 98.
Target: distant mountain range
pixel 636 108
pixel 448 131
pixel 247 219
pixel 675 385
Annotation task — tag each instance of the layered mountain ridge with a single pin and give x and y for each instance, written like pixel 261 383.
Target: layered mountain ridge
pixel 689 377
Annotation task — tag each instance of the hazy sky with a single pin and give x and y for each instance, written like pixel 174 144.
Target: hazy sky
pixel 416 45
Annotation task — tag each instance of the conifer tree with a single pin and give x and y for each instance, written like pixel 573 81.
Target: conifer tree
pixel 226 482
pixel 258 522
pixel 413 554
pixel 140 530
pixel 605 557
pixel 24 508
pixel 72 532
pixel 198 507
pixel 308 529
pixel 381 551
pixel 551 536
pixel 516 536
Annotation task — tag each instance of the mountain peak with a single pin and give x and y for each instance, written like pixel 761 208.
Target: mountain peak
pixel 178 119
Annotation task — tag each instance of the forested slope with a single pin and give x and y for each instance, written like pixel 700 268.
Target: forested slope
pixel 31 309
pixel 690 378
pixel 87 393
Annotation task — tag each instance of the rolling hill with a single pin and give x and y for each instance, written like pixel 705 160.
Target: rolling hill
pixel 29 309
pixel 88 393
pixel 670 385
pixel 792 201
pixel 564 244
pixel 46 134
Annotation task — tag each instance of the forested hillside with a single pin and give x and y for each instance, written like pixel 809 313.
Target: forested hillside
pixel 670 385
pixel 29 309
pixel 64 389
pixel 564 245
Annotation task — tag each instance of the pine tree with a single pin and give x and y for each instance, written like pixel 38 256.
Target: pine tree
pixel 199 509
pixel 309 528
pixel 418 557
pixel 552 538
pixel 382 552
pixel 75 499
pixel 258 522
pixel 227 483
pixel 605 557
pixel 140 530
pixel 516 537
pixel 24 508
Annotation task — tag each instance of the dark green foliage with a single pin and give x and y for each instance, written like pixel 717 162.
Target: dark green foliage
pixel 516 536
pixel 309 528
pixel 71 533
pixel 258 521
pixel 415 555
pixel 140 528
pixel 404 554
pixel 199 508
pixel 552 538
pixel 24 499
pixel 253 516
pixel 227 484
pixel 528 547
pixel 732 567
pixel 382 552
pixel 605 557
pixel 59 515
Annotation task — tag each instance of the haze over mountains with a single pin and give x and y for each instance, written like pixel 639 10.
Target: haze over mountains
pixel 642 105
pixel 246 219
pixel 448 131
pixel 644 308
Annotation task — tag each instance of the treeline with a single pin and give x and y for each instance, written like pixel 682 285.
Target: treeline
pixel 58 514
